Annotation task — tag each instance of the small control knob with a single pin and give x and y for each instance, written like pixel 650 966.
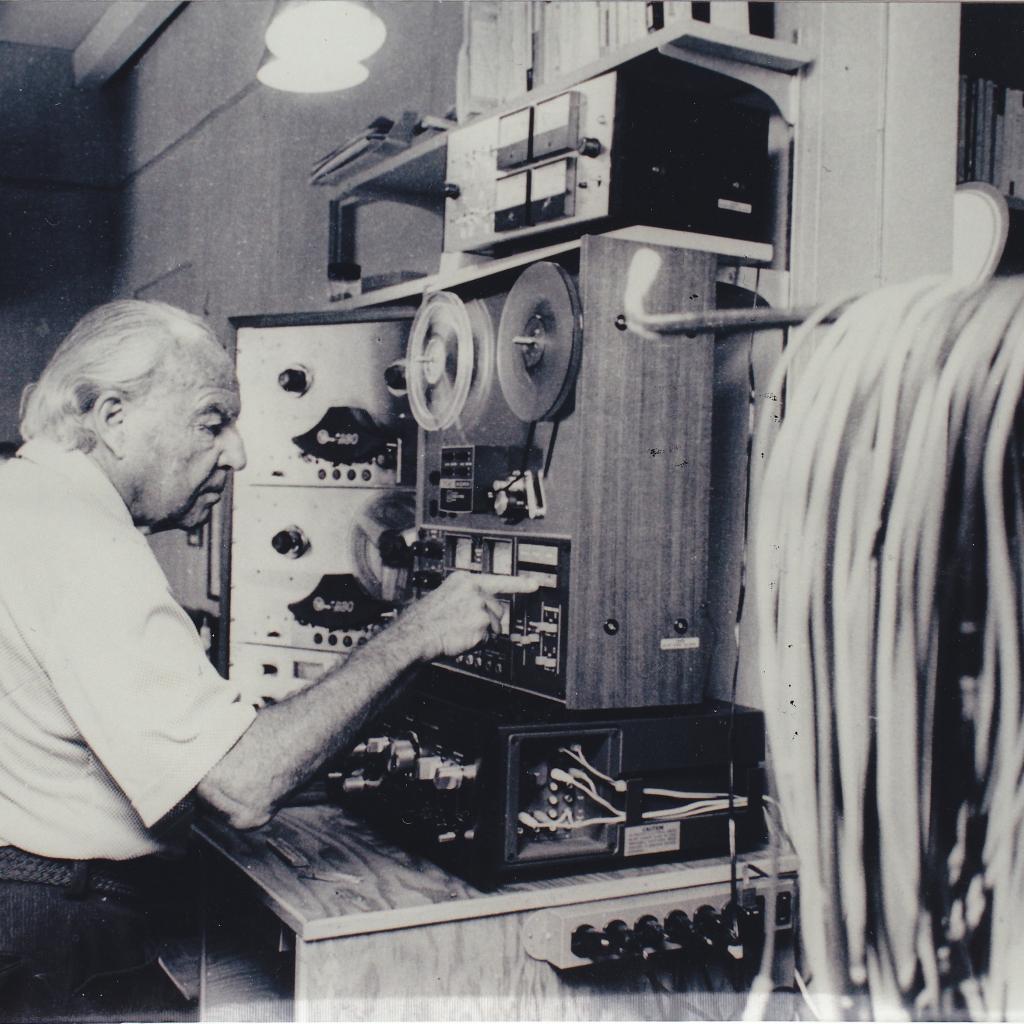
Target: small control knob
pixel 588 943
pixel 510 504
pixel 451 190
pixel 429 547
pixel 296 380
pixel 401 755
pixel 290 542
pixel 449 776
pixel 357 784
pixel 589 146
pixel 427 579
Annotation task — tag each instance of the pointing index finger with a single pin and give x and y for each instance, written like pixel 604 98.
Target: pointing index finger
pixel 491 584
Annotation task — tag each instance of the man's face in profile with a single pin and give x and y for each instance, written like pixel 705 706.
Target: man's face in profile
pixel 183 443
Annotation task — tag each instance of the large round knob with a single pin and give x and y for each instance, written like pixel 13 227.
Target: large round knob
pixel 589 147
pixel 290 542
pixel 296 380
pixel 395 378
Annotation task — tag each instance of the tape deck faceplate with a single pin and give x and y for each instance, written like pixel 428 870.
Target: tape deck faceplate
pixel 331 467
pixel 603 492
pixel 603 152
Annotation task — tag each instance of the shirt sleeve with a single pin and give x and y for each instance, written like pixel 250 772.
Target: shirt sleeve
pixel 130 669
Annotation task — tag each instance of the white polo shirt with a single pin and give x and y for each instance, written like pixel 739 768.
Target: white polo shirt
pixel 110 713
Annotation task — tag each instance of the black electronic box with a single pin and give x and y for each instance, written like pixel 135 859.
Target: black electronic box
pixel 499 786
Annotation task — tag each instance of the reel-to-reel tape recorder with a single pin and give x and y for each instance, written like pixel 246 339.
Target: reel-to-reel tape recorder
pixel 555 444
pixel 318 565
pixel 550 441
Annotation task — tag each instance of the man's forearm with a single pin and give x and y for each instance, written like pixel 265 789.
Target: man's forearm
pixel 290 740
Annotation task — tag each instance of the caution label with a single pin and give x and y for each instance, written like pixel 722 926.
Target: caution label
pixel 680 643
pixel 657 837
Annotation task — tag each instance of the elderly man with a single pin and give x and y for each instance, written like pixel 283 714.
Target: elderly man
pixel 110 716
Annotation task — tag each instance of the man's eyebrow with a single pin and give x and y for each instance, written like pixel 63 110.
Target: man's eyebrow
pixel 216 409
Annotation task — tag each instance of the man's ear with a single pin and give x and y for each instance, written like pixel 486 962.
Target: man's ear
pixel 107 418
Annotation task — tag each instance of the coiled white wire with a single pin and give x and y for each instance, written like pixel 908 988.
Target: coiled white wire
pixel 888 535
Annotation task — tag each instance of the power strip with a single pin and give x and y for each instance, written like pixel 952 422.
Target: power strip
pixel 691 922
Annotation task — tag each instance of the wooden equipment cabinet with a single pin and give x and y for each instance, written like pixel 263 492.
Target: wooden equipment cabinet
pixel 394 937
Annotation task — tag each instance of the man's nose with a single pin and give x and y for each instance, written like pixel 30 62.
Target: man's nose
pixel 233 453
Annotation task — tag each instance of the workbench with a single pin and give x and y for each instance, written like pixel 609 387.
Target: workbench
pixel 373 932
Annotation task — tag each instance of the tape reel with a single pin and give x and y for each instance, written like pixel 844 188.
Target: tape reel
pixel 449 362
pixel 393 510
pixel 539 342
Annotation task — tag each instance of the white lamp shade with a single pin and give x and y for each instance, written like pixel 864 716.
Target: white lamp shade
pixel 311 76
pixel 322 30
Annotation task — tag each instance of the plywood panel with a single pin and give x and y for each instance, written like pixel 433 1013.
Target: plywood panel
pixel 469 970
pixel 641 552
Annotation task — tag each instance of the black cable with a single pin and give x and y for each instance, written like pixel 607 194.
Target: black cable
pixel 740 601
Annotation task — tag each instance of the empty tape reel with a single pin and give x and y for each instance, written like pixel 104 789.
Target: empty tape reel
pixel 393 510
pixel 449 361
pixel 539 341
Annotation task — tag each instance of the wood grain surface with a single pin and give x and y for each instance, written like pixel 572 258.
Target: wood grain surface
pixel 640 557
pixel 391 888
pixel 383 962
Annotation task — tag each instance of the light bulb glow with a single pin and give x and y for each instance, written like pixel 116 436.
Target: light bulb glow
pixel 311 76
pixel 318 30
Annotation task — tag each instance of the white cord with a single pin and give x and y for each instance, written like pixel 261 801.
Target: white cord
pixel 889 534
pixel 576 753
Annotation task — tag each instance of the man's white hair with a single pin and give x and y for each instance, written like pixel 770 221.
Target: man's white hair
pixel 121 347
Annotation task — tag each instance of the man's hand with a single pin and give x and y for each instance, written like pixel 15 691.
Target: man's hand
pixel 459 614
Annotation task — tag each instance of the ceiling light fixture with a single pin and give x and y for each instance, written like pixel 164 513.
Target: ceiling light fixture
pixel 317 45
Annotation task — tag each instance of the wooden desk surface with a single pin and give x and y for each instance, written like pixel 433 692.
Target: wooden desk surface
pixel 391 888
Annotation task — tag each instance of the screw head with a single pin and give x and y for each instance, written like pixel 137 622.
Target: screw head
pixel 611 626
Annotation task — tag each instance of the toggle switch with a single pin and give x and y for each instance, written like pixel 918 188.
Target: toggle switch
pixel 524 639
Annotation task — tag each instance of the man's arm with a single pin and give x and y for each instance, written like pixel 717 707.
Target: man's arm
pixel 289 741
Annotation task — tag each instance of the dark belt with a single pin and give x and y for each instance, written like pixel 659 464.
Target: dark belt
pixel 78 877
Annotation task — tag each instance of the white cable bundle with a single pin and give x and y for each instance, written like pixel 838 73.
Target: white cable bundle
pixel 887 552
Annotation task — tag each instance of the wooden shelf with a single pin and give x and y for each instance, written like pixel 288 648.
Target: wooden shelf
pixel 416 174
pixel 733 251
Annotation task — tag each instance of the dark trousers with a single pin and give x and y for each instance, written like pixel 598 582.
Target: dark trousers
pixel 89 957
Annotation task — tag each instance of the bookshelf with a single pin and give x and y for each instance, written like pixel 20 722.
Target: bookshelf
pixel 990 108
